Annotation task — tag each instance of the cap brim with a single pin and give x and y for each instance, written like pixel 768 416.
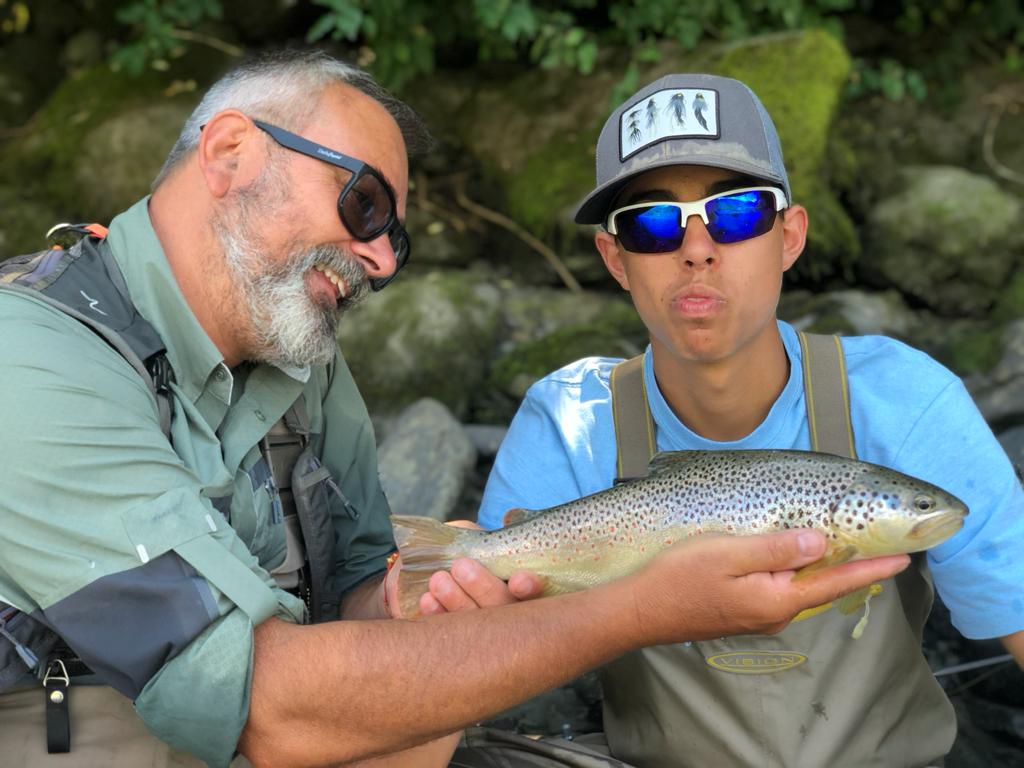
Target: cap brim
pixel 596 205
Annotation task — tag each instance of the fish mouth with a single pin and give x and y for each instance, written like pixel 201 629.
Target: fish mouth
pixel 934 527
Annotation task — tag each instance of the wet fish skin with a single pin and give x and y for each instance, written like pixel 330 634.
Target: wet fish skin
pixel 863 509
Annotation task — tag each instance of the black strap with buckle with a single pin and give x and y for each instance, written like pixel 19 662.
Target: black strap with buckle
pixel 57 687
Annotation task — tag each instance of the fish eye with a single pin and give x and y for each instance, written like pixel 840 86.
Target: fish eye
pixel 924 503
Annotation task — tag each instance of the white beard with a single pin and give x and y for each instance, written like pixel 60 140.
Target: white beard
pixel 288 328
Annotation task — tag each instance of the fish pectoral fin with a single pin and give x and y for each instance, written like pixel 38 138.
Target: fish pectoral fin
pixel 852 602
pixel 807 613
pixel 555 587
pixel 837 556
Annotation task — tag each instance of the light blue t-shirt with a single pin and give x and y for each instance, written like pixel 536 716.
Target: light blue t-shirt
pixel 909 413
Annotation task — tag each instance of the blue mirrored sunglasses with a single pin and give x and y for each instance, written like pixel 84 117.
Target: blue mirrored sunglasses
pixel 366 204
pixel 658 227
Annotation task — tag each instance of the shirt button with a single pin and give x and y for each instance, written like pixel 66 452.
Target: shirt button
pixel 219 375
pixel 260 416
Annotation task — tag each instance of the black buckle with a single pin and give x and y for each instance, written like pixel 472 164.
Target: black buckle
pixel 57 687
pixel 160 369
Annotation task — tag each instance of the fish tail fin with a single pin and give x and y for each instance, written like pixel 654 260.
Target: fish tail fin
pixel 427 546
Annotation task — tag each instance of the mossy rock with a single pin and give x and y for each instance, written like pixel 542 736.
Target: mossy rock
pixel 949 238
pixel 74 154
pixel 799 77
pixel 424 336
pixel 24 224
pixel 618 332
pixel 1010 304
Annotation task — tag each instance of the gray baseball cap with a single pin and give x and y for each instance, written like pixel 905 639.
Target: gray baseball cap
pixel 684 120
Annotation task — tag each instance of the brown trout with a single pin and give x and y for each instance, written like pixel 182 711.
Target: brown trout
pixel 863 509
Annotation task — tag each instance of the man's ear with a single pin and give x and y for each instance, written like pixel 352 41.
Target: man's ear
pixel 611 254
pixel 225 152
pixel 794 235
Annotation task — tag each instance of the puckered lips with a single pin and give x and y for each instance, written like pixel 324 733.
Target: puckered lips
pixel 326 283
pixel 699 301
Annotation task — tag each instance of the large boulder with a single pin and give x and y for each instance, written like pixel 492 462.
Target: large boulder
pixel 425 335
pixel 1000 393
pixel 96 143
pixel 951 239
pixel 121 155
pixel 547 331
pixel 852 311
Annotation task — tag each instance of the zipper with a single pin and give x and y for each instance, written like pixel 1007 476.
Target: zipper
pixel 276 511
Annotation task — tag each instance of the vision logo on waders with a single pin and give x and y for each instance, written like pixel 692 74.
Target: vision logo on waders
pixel 755 662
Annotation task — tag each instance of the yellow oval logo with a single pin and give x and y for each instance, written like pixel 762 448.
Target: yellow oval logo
pixel 756 662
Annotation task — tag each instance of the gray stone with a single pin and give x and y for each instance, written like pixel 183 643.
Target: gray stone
pixel 486 438
pixel 855 312
pixel 1013 443
pixel 1000 394
pixel 425 460
pixel 949 238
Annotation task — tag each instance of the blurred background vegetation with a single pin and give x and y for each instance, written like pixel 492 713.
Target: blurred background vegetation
pixel 900 120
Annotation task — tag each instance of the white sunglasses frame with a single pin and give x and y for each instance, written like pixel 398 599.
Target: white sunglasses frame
pixel 696 207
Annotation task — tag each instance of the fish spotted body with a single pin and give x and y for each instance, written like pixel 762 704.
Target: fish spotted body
pixel 863 509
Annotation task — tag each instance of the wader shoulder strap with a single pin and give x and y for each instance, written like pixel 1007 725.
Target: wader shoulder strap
pixel 631 414
pixel 827 394
pixel 826 391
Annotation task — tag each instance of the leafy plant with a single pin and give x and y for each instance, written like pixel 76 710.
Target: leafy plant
pixel 14 17
pixel 162 28
pixel 401 39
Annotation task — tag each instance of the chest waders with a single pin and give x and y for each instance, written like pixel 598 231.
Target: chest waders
pixel 85 282
pixel 808 697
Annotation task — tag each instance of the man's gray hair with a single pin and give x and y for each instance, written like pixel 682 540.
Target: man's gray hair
pixel 283 88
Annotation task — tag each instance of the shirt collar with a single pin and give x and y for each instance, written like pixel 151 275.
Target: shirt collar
pixel 197 363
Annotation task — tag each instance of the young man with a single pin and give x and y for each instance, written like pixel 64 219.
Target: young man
pixel 698 225
pixel 145 560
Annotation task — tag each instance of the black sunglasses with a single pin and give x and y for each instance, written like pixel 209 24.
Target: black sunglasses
pixel 366 203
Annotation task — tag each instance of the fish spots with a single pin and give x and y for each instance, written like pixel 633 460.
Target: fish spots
pixel 819 710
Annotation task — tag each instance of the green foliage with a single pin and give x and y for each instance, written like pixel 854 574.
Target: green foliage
pixel 14 18
pixel 397 43
pixel 888 77
pixel 160 27
pixel 401 39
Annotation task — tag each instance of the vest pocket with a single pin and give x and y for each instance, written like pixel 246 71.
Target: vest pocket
pixel 313 489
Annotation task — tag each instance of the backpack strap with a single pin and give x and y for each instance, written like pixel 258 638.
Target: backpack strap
pixel 827 394
pixel 85 283
pixel 631 415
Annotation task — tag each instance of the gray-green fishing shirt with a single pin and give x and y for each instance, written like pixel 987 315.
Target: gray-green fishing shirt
pixel 108 533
